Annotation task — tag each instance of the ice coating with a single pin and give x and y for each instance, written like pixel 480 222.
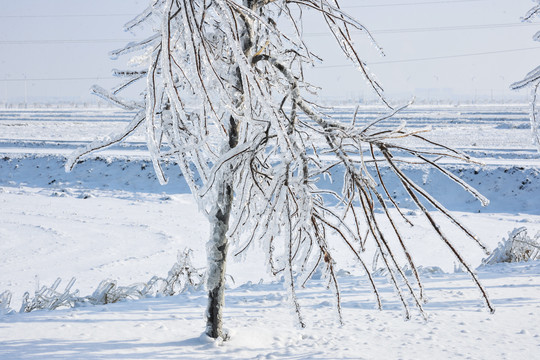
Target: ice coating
pixel 532 79
pixel 225 100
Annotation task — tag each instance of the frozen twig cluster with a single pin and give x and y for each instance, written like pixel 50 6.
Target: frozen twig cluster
pixel 182 276
pixel 5 302
pixel 519 246
pixel 226 99
pixel 532 80
pixel 49 298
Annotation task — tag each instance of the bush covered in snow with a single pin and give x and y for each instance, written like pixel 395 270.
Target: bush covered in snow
pixel 517 247
pixel 182 276
pixel 5 300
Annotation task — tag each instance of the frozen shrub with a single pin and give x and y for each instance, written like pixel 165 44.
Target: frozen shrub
pixel 182 276
pixel 48 298
pixel 108 292
pixel 517 247
pixel 5 301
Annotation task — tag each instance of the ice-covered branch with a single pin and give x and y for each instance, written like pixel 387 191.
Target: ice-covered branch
pixel 103 143
pixel 532 79
pixel 225 99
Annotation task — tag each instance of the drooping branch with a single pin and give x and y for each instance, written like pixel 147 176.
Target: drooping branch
pixel 225 99
pixel 532 79
pixel 365 185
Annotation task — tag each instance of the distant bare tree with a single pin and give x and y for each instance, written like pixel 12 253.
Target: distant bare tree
pixel 532 79
pixel 226 99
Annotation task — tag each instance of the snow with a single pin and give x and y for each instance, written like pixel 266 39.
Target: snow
pixel 110 218
pixel 262 327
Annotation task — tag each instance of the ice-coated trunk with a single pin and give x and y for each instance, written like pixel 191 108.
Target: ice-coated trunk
pixel 217 248
pixel 218 243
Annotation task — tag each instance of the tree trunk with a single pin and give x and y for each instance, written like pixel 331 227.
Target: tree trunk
pixel 218 244
pixel 217 248
pixel 217 260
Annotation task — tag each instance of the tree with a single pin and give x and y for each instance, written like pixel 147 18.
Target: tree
pixel 225 97
pixel 532 79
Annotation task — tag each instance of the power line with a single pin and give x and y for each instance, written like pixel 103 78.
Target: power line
pixel 411 4
pixel 381 31
pixel 457 27
pixel 58 79
pixel 435 57
pixel 436 29
pixel 125 14
pixel 455 56
pixel 318 67
pixel 122 15
pixel 63 41
pixel 61 16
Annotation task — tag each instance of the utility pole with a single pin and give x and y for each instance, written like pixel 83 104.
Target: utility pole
pixel 25 91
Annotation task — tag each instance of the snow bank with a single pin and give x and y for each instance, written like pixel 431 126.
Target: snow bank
pixel 510 188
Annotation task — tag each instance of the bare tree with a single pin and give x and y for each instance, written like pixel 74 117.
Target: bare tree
pixel 532 79
pixel 225 97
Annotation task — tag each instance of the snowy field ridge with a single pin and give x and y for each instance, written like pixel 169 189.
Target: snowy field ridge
pixel 509 187
pixel 110 219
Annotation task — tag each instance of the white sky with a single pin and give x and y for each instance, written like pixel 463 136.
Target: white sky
pixel 44 40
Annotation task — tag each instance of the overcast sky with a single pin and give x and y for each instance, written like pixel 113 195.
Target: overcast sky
pixel 435 49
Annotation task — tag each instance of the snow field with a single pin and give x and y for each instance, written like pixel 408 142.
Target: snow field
pixel 262 326
pixel 111 219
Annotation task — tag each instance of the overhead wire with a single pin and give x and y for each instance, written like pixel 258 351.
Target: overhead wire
pixel 434 57
pixel 380 31
pixel 318 67
pixel 62 41
pixel 344 7
pixel 58 79
pixel 411 3
pixel 438 28
pixel 61 16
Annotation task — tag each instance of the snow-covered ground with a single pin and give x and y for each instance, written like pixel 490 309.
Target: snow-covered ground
pixel 110 218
